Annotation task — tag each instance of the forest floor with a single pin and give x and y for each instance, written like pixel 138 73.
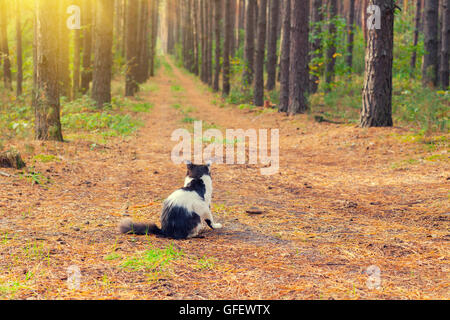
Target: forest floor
pixel 344 199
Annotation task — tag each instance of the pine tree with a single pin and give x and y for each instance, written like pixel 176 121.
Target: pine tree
pixel 103 42
pixel 377 90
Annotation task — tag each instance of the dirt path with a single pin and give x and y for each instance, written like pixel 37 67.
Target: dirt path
pixel 344 199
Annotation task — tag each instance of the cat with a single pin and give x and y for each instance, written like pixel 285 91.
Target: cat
pixel 184 210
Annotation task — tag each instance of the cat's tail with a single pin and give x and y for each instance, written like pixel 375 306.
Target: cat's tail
pixel 127 226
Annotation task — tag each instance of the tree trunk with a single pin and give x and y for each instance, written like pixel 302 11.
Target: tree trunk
pixel 132 52
pixel 4 49
pixel 226 87
pixel 431 57
pixel 210 43
pixel 377 91
pixel 249 50
pixel 64 61
pixel 416 37
pixel 86 70
pixel 241 23
pixel 331 50
pixel 76 63
pixel 316 45
pixel 445 44
pixel 103 35
pixel 203 40
pixel 260 51
pixel 351 34
pixel 46 101
pixel 218 24
pixel 76 60
pixel 272 58
pixel 285 52
pixel 19 47
pixel 155 23
pixel 298 60
pixel 233 28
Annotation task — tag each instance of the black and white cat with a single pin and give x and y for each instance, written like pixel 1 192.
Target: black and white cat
pixel 184 210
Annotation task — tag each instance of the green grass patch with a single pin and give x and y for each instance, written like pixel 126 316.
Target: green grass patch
pixel 153 259
pixel 205 263
pixel 142 107
pixel 176 88
pixel 46 158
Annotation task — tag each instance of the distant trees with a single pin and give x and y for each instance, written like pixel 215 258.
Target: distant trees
pixel 416 36
pixel 331 50
pixel 19 47
pixel 249 47
pixel 87 21
pixel 285 53
pixel 226 86
pixel 316 44
pixel 445 46
pixel 272 58
pixel 236 46
pixel 217 39
pixel 258 99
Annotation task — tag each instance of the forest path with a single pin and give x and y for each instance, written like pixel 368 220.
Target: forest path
pixel 344 199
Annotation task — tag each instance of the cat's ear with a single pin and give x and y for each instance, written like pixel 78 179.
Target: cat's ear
pixel 208 163
pixel 188 163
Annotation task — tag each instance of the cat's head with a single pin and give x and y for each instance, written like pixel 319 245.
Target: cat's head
pixel 196 171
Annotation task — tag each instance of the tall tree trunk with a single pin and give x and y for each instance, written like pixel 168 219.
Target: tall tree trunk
pixel 46 101
pixel 143 41
pixel 19 47
pixel 241 23
pixel 416 37
pixel 155 23
pixel 331 50
pixel 377 91
pixel 316 45
pixel 260 51
pixel 86 70
pixel 210 43
pixel 103 35
pixel 77 48
pixel 131 83
pixel 351 34
pixel 444 73
pixel 217 27
pixel 118 26
pixel 203 40
pixel 431 57
pixel 272 58
pixel 64 60
pixel 196 38
pixel 285 52
pixel 249 50
pixel 226 87
pixel 4 49
pixel 76 63
pixel 299 75
pixel 233 28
